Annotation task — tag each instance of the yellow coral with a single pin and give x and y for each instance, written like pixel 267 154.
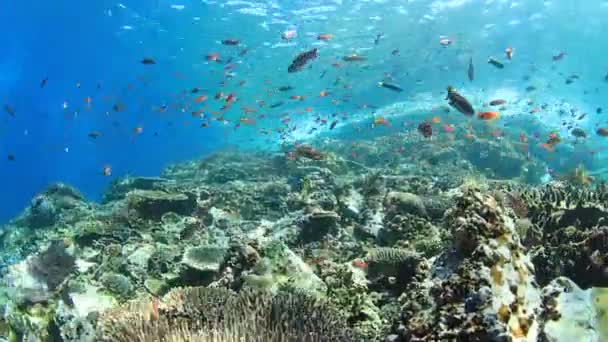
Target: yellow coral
pixel 496 274
pixel 504 313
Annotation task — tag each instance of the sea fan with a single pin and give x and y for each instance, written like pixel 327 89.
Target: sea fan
pixel 52 265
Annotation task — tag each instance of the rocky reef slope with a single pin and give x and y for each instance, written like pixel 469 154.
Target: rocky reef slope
pixel 312 245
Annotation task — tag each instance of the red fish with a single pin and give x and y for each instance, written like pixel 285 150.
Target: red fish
pixel 213 57
pixel 488 115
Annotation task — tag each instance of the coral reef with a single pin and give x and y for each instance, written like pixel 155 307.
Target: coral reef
pixel 445 243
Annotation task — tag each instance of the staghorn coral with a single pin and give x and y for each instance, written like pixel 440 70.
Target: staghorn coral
pixel 209 314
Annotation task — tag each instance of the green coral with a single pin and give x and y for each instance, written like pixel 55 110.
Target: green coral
pixel 356 301
pixel 117 284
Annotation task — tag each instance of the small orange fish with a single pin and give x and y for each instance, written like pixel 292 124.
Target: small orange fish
pixel 107 170
pixel 488 115
pixel 325 36
pixel 247 121
pixel 435 120
pixel 509 53
pixel 548 147
pixel 448 128
pixel 324 93
pixel 88 100
pixel 380 121
pixel 248 109
pixel 138 130
pixel 201 98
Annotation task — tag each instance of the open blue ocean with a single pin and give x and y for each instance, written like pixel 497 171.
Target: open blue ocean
pixel 303 170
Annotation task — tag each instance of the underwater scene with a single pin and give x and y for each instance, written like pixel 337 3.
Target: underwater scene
pixel 304 170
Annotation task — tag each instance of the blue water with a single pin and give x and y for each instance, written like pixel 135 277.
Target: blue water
pixel 73 42
pixel 99 45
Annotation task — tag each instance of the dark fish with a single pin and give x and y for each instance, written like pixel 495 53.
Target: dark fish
pixel 599 110
pixel 300 61
pixel 94 134
pixel 195 90
pixel 390 86
pixel 426 129
pixel 243 52
pixel 119 107
pixel 497 102
pixel 323 73
pixel 333 124
pixel 559 56
pixel 471 70
pixel 530 88
pixel 148 61
pixel 459 102
pixel 43 82
pixel 231 42
pixel 396 52
pixel 285 88
pixel 602 132
pixel 277 104
pixel 378 37
pixel 496 63
pixel 11 157
pixel 354 58
pixel 9 110
pixel 578 132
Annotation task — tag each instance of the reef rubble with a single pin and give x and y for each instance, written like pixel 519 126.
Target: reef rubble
pixel 328 247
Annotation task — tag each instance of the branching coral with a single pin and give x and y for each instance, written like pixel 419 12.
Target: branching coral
pixel 209 315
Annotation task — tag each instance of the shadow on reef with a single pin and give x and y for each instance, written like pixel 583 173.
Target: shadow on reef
pixel 385 247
